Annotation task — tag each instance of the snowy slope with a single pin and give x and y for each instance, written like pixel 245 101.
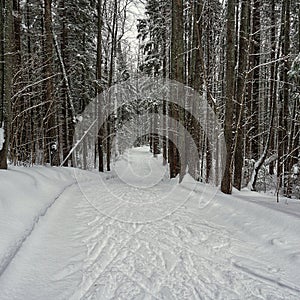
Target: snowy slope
pixel 26 194
pixel 134 234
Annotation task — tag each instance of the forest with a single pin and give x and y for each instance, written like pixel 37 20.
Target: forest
pixel 240 57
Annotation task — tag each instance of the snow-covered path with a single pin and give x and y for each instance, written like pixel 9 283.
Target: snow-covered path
pixel 92 242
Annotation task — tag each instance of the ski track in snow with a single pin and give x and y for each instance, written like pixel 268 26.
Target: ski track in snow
pixel 181 256
pixel 13 252
pixel 175 258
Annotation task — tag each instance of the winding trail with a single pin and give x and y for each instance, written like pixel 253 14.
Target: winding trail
pixel 93 244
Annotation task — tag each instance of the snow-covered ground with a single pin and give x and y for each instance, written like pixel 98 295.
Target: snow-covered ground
pixel 134 234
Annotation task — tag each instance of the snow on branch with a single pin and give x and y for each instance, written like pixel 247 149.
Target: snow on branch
pixel 32 84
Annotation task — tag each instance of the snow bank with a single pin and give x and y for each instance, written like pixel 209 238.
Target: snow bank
pixel 26 194
pixel 265 233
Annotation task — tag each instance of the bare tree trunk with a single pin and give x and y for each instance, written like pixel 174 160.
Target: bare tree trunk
pixel 286 91
pixel 50 146
pixel 164 109
pixel 240 93
pixel 6 78
pixel 177 163
pixel 69 114
pixel 273 75
pixel 226 185
pixel 255 58
pixel 110 80
pixel 195 81
pixel 155 131
pixel 284 96
pixel 164 137
pixel 3 152
pixel 99 88
pixel 151 128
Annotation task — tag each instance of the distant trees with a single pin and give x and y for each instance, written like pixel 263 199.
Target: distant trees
pixel 181 28
pixel 243 72
pixel 52 77
pixel 278 137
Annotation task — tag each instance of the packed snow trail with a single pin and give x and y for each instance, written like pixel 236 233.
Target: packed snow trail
pixel 93 243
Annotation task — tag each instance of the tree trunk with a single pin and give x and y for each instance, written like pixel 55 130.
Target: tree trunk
pixel 226 185
pixel 273 76
pixel 240 93
pixel 177 159
pixel 50 146
pixel 195 81
pixel 62 54
pixel 99 88
pixel 255 58
pixel 6 78
pixel 155 131
pixel 3 154
pixel 164 74
pixel 114 33
pixel 284 96
pixel 286 93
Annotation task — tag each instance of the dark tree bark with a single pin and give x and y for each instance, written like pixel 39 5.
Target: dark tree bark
pixel 109 122
pixel 243 55
pixel 99 88
pixel 155 131
pixel 273 76
pixel 195 81
pixel 164 74
pixel 6 22
pixel 2 63
pixel 64 92
pixel 177 73
pixel 50 142
pixel 255 59
pixel 226 184
pixel 284 95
